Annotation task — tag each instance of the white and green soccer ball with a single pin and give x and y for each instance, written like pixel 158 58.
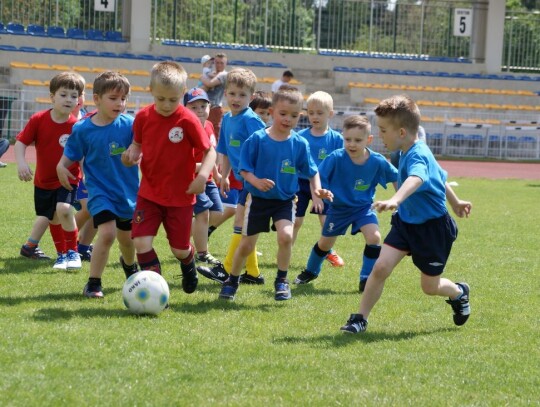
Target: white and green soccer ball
pixel 145 293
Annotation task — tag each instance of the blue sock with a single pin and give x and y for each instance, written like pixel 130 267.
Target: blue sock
pixel 237 230
pixel 371 254
pixel 316 259
pixel 82 248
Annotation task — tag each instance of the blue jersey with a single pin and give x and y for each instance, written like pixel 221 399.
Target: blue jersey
pixel 235 130
pixel 111 185
pixel 321 146
pixel 279 161
pixel 429 200
pixel 353 185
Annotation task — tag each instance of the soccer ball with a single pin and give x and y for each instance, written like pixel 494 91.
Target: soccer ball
pixel 145 292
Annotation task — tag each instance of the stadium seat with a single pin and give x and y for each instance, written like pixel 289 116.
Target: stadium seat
pixel 95 35
pixel 8 48
pixel 48 50
pixel 56 31
pixel 107 54
pixel 75 33
pixel 68 51
pixel 36 30
pixel 147 57
pixel 15 28
pixel 88 53
pixel 40 66
pixel 79 68
pixel 59 67
pixel 28 49
pixel 33 82
pixel 126 55
pixel 115 36
pixel 139 72
pixel 22 65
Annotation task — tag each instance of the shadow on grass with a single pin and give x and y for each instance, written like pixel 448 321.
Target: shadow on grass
pixel 51 297
pixel 18 265
pixel 57 314
pixel 308 290
pixel 205 306
pixel 344 339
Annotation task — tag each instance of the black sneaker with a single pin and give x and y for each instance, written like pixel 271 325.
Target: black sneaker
pixel 249 279
pixel 34 253
pixel 128 270
pixel 362 285
pixel 216 273
pixel 228 291
pixel 355 324
pixel 461 306
pixel 208 259
pixel 93 291
pixel 189 280
pixel 86 256
pixel 283 291
pixel 304 277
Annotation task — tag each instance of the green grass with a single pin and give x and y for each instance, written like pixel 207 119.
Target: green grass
pixel 59 348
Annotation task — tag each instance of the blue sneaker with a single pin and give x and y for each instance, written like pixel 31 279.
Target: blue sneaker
pixel 283 291
pixel 228 291
pixel 61 262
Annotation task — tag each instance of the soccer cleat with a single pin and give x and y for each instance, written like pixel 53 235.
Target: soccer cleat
pixel 208 259
pixel 228 291
pixel 249 279
pixel 189 280
pixel 355 324
pixel 128 270
pixel 362 285
pixel 61 262
pixel 283 291
pixel 73 261
pixel 86 256
pixel 34 253
pixel 304 277
pixel 216 273
pixel 335 260
pixel 461 306
pixel 93 291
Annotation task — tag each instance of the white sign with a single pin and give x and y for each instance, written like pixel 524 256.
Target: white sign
pixel 104 5
pixel 463 22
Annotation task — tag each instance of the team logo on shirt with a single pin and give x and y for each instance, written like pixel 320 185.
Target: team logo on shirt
pixel 63 140
pixel 213 140
pixel 322 154
pixel 360 185
pixel 176 135
pixel 287 168
pixel 139 216
pixel 234 143
pixel 116 149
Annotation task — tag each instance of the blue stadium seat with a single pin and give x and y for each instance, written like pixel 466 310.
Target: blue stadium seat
pixel 107 54
pixel 275 65
pixel 126 55
pixel 88 53
pixel 238 62
pixel 28 49
pixel 75 33
pixel 115 36
pixel 184 59
pixel 56 31
pixel 67 51
pixel 165 58
pixel 48 50
pixel 95 35
pixel 8 48
pixel 15 28
pixel 148 57
pixel 36 30
pixel 255 63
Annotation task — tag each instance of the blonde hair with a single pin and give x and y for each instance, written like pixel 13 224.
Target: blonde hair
pixel 322 98
pixel 243 78
pixel 357 121
pixel 68 80
pixel 401 111
pixel 110 80
pixel 168 73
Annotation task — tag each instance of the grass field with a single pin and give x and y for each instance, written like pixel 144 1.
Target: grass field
pixel 59 348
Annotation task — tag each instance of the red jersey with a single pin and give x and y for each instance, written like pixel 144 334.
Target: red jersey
pixel 49 138
pixel 209 129
pixel 169 146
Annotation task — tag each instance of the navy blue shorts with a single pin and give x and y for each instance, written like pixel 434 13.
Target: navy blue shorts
pixel 209 200
pixel 45 200
pixel 259 213
pixel 428 243
pixel 338 220
pixel 106 216
pixel 304 196
pixel 232 198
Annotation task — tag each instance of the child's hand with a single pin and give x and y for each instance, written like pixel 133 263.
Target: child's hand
pixel 25 173
pixel 389 205
pixel 132 155
pixel 324 194
pixel 126 159
pixel 224 187
pixel 318 204
pixel 64 175
pixel 197 186
pixel 462 208
pixel 263 184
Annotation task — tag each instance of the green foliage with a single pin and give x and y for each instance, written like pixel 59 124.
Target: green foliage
pixel 60 349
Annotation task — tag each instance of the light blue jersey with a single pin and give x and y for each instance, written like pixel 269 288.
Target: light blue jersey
pixel 111 185
pixel 353 185
pixel 280 161
pixel 321 146
pixel 428 201
pixel 235 130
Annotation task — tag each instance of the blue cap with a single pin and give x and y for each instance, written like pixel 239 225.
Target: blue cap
pixel 195 94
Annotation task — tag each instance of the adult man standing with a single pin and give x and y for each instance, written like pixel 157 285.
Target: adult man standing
pixel 285 78
pixel 216 89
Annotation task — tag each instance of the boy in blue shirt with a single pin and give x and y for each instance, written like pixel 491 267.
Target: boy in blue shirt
pixel 322 141
pixel 421 226
pixel 353 172
pixel 236 127
pixel 99 141
pixel 270 163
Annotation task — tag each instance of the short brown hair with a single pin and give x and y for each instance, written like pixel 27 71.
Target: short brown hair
pixel 402 112
pixel 260 100
pixel 358 121
pixel 169 73
pixel 68 80
pixel 292 96
pixel 243 78
pixel 110 80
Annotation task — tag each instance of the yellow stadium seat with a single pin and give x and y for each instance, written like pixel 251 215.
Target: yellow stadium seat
pixel 526 107
pixel 458 104
pixel 15 64
pixel 79 68
pixel 441 103
pixel 372 100
pixel 61 67
pixel 33 82
pixel 43 100
pixel 194 76
pixel 294 82
pixel 136 88
pixel 424 103
pixel 41 66
pixel 139 72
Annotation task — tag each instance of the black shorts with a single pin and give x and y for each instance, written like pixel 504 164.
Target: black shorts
pixel 304 196
pixel 260 211
pixel 45 200
pixel 428 243
pixel 106 216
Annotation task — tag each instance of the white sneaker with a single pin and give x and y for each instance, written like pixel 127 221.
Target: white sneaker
pixel 73 261
pixel 61 262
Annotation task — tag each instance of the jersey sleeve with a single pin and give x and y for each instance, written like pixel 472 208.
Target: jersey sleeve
pixel 28 135
pixel 73 148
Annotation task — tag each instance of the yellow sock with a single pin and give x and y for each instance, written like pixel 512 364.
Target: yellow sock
pixel 252 264
pixel 233 244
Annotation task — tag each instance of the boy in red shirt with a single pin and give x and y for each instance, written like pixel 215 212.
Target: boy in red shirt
pixel 167 137
pixel 49 130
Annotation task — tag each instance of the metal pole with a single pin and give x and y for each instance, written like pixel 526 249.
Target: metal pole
pixel 422 28
pixel 370 26
pixel 266 25
pixel 293 18
pixel 212 21
pixel 174 21
pixel 235 17
pixel 319 27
